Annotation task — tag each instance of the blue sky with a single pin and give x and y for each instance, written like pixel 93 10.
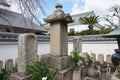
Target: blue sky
pixel 100 7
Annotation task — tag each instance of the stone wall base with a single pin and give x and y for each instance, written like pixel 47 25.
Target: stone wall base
pixel 20 76
pixel 61 63
pixel 65 74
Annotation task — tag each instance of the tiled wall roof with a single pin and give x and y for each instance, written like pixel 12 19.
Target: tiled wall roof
pixel 4 36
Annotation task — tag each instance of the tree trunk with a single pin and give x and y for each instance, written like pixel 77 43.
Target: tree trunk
pixel 90 29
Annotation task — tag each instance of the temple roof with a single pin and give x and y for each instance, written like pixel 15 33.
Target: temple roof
pixel 9 18
pixel 4 36
pixel 113 34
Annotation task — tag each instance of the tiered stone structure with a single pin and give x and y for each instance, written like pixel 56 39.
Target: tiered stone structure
pixel 59 43
pixel 27 53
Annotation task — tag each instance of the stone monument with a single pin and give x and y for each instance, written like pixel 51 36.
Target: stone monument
pixel 58 56
pixel 27 53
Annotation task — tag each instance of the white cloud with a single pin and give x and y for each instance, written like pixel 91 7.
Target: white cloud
pixel 75 8
pixel 99 6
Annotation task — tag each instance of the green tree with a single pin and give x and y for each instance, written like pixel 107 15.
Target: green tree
pixel 90 21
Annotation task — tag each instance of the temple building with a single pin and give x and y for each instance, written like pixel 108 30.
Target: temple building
pixel 16 23
pixel 76 25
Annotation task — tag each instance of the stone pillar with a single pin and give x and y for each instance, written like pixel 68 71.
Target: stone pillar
pixel 9 65
pixel 91 71
pixel 59 42
pixel 1 65
pixel 101 58
pixel 93 56
pixel 108 59
pixel 77 44
pixel 27 53
pixel 77 74
pixel 58 34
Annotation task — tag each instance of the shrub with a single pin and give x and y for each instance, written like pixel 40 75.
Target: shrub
pixel 40 69
pixel 4 74
pixel 118 68
pixel 76 60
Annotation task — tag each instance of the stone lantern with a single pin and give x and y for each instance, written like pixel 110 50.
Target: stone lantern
pixel 116 56
pixel 58 56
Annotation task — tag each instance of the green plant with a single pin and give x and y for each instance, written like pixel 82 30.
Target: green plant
pixel 118 68
pixel 88 60
pixel 40 69
pixel 76 60
pixel 4 74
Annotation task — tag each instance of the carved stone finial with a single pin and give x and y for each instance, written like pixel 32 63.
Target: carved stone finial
pixel 58 15
pixel 58 5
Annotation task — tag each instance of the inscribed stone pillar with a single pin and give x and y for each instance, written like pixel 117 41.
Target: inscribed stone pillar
pixel 27 51
pixel 1 65
pixel 9 65
pixel 58 31
pixel 77 44
pixel 101 58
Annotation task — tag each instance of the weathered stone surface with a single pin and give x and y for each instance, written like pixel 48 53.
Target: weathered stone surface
pixel 108 59
pixel 9 65
pixel 1 65
pixel 77 74
pixel 58 32
pixel 84 55
pixel 27 51
pixel 58 15
pixel 103 76
pixel 83 71
pixel 93 57
pixel 77 44
pixel 65 74
pixel 20 76
pixel 91 71
pixel 59 39
pixel 59 62
pixel 101 58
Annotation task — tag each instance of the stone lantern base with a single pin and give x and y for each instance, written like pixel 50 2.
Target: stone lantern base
pixel 62 63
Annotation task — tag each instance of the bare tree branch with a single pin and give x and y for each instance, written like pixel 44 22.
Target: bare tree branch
pixel 114 12
pixel 31 9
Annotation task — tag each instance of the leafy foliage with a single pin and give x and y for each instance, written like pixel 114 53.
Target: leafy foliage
pixel 90 21
pixel 87 32
pixel 89 60
pixel 76 60
pixel 40 69
pixel 4 74
pixel 118 68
